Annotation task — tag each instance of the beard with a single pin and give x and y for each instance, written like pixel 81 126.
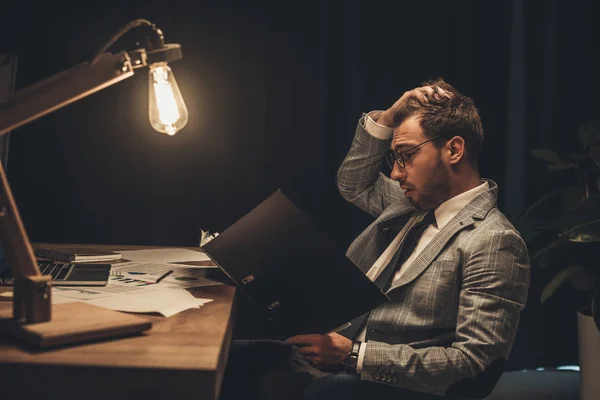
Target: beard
pixel 436 190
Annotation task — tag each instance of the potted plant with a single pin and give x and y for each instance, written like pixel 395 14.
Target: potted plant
pixel 562 232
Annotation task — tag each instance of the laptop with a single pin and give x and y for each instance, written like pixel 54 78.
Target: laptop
pixel 291 270
pixel 63 274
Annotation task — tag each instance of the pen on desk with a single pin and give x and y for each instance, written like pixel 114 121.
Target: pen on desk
pixel 164 276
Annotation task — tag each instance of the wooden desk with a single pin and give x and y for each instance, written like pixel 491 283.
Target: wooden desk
pixel 181 357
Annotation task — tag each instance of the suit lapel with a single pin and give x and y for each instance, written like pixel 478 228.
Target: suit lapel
pixel 475 210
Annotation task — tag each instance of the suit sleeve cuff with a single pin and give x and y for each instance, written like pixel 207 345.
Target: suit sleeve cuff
pixel 375 129
pixel 361 356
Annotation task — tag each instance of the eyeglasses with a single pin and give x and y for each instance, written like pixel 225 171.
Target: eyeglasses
pixel 404 158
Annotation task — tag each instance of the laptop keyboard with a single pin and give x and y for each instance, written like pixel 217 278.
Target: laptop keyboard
pixel 57 271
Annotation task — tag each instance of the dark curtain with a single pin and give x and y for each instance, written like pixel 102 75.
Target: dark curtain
pixel 274 91
pixel 553 77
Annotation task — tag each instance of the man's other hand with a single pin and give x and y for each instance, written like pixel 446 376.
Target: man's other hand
pixel 325 352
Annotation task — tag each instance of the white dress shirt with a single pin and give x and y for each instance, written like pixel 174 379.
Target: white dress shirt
pixel 443 214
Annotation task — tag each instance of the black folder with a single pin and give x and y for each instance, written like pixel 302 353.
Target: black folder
pixel 291 270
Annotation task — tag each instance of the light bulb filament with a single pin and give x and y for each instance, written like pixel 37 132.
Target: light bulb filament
pixel 167 111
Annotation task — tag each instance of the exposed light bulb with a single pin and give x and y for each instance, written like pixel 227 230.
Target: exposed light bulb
pixel 166 109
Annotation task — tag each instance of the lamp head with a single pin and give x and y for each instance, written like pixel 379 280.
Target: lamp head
pixel 166 109
pixel 167 53
pixel 156 50
pixel 156 39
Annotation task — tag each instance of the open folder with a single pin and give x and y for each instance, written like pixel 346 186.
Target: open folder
pixel 292 270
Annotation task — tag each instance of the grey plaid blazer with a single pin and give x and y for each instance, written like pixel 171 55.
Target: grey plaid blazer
pixel 452 316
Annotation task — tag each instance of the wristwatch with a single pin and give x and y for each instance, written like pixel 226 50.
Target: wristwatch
pixel 352 358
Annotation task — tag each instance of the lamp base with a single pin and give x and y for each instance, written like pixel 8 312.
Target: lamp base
pixel 72 323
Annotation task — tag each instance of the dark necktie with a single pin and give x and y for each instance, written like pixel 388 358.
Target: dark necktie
pixel 384 280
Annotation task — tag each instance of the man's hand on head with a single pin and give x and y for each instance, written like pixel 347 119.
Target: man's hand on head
pixel 325 352
pixel 386 118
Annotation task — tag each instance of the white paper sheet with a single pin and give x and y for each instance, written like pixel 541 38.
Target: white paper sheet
pixel 163 300
pixel 167 302
pixel 93 292
pixel 182 277
pixel 136 277
pixel 165 256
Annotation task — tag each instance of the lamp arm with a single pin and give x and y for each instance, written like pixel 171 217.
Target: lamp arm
pixel 155 42
pixel 62 89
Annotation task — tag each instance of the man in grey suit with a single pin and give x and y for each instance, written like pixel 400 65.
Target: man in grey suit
pixel 455 298
pixel 456 271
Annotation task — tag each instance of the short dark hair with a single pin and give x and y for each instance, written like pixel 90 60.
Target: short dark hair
pixel 450 116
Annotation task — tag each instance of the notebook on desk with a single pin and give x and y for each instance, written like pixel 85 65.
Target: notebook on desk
pixel 292 270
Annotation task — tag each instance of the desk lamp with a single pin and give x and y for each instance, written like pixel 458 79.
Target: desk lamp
pixel 34 319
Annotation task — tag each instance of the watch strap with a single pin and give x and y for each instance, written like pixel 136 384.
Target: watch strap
pixel 351 359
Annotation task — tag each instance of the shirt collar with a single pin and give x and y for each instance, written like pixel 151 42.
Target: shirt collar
pixel 448 209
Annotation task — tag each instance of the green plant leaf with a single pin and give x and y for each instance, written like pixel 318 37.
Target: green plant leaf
pixel 547 155
pixel 589 231
pixel 589 133
pixel 557 281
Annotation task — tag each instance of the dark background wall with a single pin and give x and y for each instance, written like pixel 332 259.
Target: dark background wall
pixel 274 90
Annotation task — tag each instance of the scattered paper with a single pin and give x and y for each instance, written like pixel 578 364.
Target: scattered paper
pixel 137 277
pixel 143 268
pixel 144 274
pixel 132 287
pixel 93 292
pixel 167 302
pixel 206 236
pixel 164 256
